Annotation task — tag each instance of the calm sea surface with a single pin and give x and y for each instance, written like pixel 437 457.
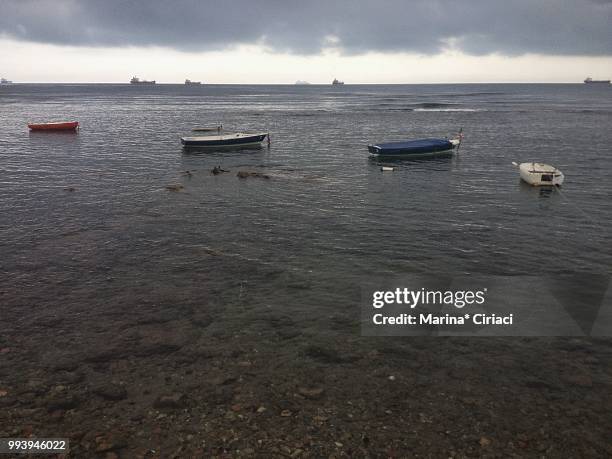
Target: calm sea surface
pixel 325 221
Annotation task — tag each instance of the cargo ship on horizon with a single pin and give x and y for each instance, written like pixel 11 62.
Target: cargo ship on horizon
pixel 136 80
pixel 590 80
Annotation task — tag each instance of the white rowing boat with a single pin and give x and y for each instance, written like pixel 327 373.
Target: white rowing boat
pixel 540 174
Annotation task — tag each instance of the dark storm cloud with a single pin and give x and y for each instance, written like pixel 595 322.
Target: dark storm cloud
pixel 568 27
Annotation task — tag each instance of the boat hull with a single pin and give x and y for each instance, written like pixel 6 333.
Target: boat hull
pixel 539 174
pixel 63 126
pixel 224 141
pixel 413 148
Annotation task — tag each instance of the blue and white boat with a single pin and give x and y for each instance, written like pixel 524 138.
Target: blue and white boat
pixel 416 147
pixel 239 139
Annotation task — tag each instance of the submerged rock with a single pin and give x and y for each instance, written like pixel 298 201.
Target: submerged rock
pixel 62 402
pixel 110 442
pixel 217 170
pixel 110 392
pixel 172 401
pixel 246 174
pixel 314 393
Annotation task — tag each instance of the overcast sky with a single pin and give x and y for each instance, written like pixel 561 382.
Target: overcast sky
pixel 280 41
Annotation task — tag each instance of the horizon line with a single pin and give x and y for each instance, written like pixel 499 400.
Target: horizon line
pixel 13 83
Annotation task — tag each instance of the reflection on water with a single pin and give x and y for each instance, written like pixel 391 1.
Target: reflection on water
pixel 432 158
pixel 51 133
pixel 542 191
pixel 194 149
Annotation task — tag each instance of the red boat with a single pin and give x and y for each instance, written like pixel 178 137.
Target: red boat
pixel 58 126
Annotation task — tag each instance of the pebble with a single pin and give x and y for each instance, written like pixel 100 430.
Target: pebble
pixel 108 443
pixel 173 401
pixel 311 393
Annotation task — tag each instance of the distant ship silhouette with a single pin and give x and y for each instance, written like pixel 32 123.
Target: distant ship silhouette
pixel 136 80
pixel 590 80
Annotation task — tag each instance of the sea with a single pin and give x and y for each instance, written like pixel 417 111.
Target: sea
pixel 151 308
pixel 94 221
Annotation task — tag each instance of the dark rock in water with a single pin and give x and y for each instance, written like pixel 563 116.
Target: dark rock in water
pixel 161 340
pixel 70 377
pixel 221 395
pixel 62 402
pixel 224 380
pixel 152 348
pixel 313 393
pixel 109 443
pixel 327 355
pixel 217 170
pixel 245 174
pixel 201 319
pixel 173 401
pixel 104 355
pixel 110 392
pixel 7 401
pixel 288 333
pixel 36 386
pixel 65 363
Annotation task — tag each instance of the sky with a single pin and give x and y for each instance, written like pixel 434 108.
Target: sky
pixel 281 41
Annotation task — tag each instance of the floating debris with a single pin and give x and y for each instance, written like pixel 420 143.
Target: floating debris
pixel 174 187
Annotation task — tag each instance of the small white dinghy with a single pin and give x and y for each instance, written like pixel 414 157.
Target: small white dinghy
pixel 540 174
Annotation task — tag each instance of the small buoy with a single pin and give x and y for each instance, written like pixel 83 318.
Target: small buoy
pixel 386 169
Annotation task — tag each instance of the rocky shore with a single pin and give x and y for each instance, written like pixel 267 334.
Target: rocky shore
pixel 155 382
